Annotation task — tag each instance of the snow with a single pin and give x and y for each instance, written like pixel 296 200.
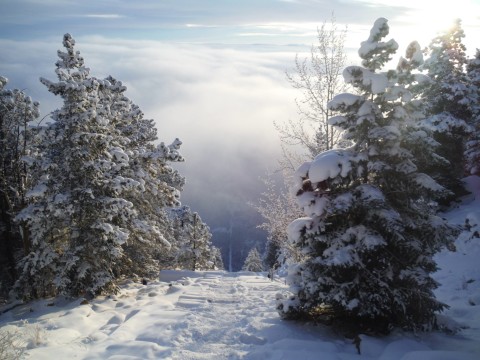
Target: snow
pixel 37 191
pixel 384 132
pixel 329 165
pixel 207 315
pixel 337 120
pixel 378 82
pixel 421 78
pixel 296 227
pixel 379 30
pixel 472 184
pixel 427 182
pixel 445 122
pixel 343 100
pixel 220 315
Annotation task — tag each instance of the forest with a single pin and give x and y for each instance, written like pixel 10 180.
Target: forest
pixel 91 196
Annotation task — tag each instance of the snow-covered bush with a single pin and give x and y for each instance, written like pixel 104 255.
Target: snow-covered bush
pixel 278 208
pixel 216 259
pixel 12 346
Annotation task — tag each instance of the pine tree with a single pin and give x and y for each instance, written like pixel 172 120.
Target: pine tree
pixel 194 249
pixel 160 185
pixel 77 216
pixel 449 105
pixel 97 211
pixel 472 152
pixel 253 261
pixel 370 230
pixel 17 111
pixel 216 259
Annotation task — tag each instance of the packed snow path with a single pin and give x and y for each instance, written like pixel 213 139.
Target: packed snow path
pixel 204 315
pixel 209 317
pixel 220 313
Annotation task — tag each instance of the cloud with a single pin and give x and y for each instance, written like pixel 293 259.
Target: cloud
pixel 220 101
pixel 104 16
pixel 201 26
pixel 209 72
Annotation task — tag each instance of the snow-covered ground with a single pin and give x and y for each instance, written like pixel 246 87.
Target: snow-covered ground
pixel 215 315
pixel 219 315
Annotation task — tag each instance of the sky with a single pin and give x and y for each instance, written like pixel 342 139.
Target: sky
pixel 210 72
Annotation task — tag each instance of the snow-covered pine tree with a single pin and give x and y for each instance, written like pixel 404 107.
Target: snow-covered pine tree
pixel 448 105
pixel 17 111
pixel 216 259
pixel 472 152
pixel 253 261
pixel 78 215
pixel 194 249
pixel 370 230
pixel 160 185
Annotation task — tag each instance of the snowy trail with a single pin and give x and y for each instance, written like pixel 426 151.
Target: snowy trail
pixel 211 315
pixel 207 315
pixel 219 324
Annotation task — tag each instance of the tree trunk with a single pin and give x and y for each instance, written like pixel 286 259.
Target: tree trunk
pixel 27 244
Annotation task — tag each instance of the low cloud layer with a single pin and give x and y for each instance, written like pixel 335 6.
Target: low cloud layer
pixel 210 73
pixel 220 101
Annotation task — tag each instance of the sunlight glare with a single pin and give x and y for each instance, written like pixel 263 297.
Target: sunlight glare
pixel 426 19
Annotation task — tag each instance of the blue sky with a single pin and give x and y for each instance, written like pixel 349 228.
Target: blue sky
pixel 211 72
pixel 219 21
pixel 177 20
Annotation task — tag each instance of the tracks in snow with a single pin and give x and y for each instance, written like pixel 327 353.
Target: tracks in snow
pixel 214 316
pixel 220 312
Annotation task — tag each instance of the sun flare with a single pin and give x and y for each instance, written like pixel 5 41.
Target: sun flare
pixel 426 19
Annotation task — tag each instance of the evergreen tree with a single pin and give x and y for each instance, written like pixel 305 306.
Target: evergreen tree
pixel 97 210
pixel 472 152
pixel 17 111
pixel 216 259
pixel 77 217
pixel 448 105
pixel 194 249
pixel 253 261
pixel 160 185
pixel 370 230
